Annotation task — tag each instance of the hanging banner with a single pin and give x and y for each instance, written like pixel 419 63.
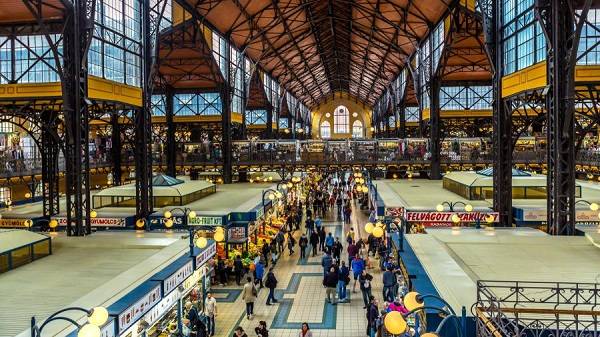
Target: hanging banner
pixel 394 212
pixel 446 217
pixel 581 215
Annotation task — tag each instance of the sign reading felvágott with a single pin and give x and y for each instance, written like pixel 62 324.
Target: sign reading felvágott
pixel 443 217
pixel 178 277
pixel 206 254
pixel 136 311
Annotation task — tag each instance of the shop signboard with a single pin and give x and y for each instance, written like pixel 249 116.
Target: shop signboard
pixel 446 217
pixel 540 215
pixel 236 234
pixel 192 281
pixel 159 310
pixel 108 330
pixel 206 254
pixel 206 221
pixel 178 277
pixel 394 212
pixel 132 314
pixel 97 222
pixel 13 223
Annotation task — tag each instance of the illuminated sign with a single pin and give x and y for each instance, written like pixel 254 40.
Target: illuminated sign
pixel 206 221
pixel 446 217
pixel 13 223
pixel 178 277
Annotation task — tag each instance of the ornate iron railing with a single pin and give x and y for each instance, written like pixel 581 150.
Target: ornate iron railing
pixel 537 309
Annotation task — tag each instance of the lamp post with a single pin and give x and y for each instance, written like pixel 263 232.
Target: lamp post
pixel 451 205
pixel 96 318
pixel 187 214
pixel 414 303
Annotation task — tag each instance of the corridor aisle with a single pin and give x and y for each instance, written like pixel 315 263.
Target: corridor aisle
pixel 302 296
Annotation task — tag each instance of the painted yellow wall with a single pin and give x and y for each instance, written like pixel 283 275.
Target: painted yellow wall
pixel 353 105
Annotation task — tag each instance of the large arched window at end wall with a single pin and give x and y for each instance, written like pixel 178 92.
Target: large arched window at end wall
pixel 357 129
pixel 341 120
pixel 325 130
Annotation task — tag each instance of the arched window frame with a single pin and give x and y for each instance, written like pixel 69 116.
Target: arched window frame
pixel 358 130
pixel 341 119
pixel 325 130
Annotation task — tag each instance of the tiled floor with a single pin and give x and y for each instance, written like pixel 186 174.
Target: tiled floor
pixel 302 297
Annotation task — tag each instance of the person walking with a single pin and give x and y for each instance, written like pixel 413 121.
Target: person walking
pixel 331 282
pixel 303 242
pixel 239 332
pixel 365 287
pixel 310 225
pixel 318 223
pixel 238 268
pixel 279 238
pixel 389 285
pixel 266 252
pixel 271 283
pixel 322 235
pixel 352 252
pixel 305 331
pixel 291 242
pixel 261 329
pixel 350 236
pixel 210 311
pixel 343 280
pixel 259 273
pixel 337 249
pixel 314 242
pixel 329 243
pixel 249 294
pixel 372 316
pixel 326 263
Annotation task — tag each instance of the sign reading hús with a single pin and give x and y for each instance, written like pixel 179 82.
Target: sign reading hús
pixel 447 216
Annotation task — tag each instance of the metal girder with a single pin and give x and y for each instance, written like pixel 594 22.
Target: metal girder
pixel 50 151
pixel 434 128
pixel 171 142
pixel 562 28
pixel 116 148
pixel 76 42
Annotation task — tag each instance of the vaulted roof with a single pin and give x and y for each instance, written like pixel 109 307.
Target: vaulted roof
pixel 317 47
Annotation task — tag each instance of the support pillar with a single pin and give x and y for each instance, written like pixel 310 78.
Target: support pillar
pixel 116 148
pixel 434 129
pixel 171 150
pixel 49 152
pixel 76 41
pixel 502 122
pixel 562 33
pixel 269 134
pixel 226 122
pixel 401 131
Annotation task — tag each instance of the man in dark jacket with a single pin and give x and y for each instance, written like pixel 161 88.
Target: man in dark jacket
pixel 266 253
pixel 337 249
pixel 389 285
pixel 310 226
pixel 326 262
pixel 330 282
pixel 271 283
pixel 303 242
pixel 314 242
pixel 372 316
pixel 344 279
pixel 238 268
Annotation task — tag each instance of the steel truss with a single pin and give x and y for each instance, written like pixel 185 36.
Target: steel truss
pixel 562 27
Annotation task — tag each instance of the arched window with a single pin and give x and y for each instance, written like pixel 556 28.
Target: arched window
pixel 357 129
pixel 341 119
pixel 325 130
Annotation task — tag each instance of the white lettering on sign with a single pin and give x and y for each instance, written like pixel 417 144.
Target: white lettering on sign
pixel 440 217
pixel 192 281
pixel 206 221
pixel 97 222
pixel 178 277
pixel 161 308
pixel 136 311
pixel 206 254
